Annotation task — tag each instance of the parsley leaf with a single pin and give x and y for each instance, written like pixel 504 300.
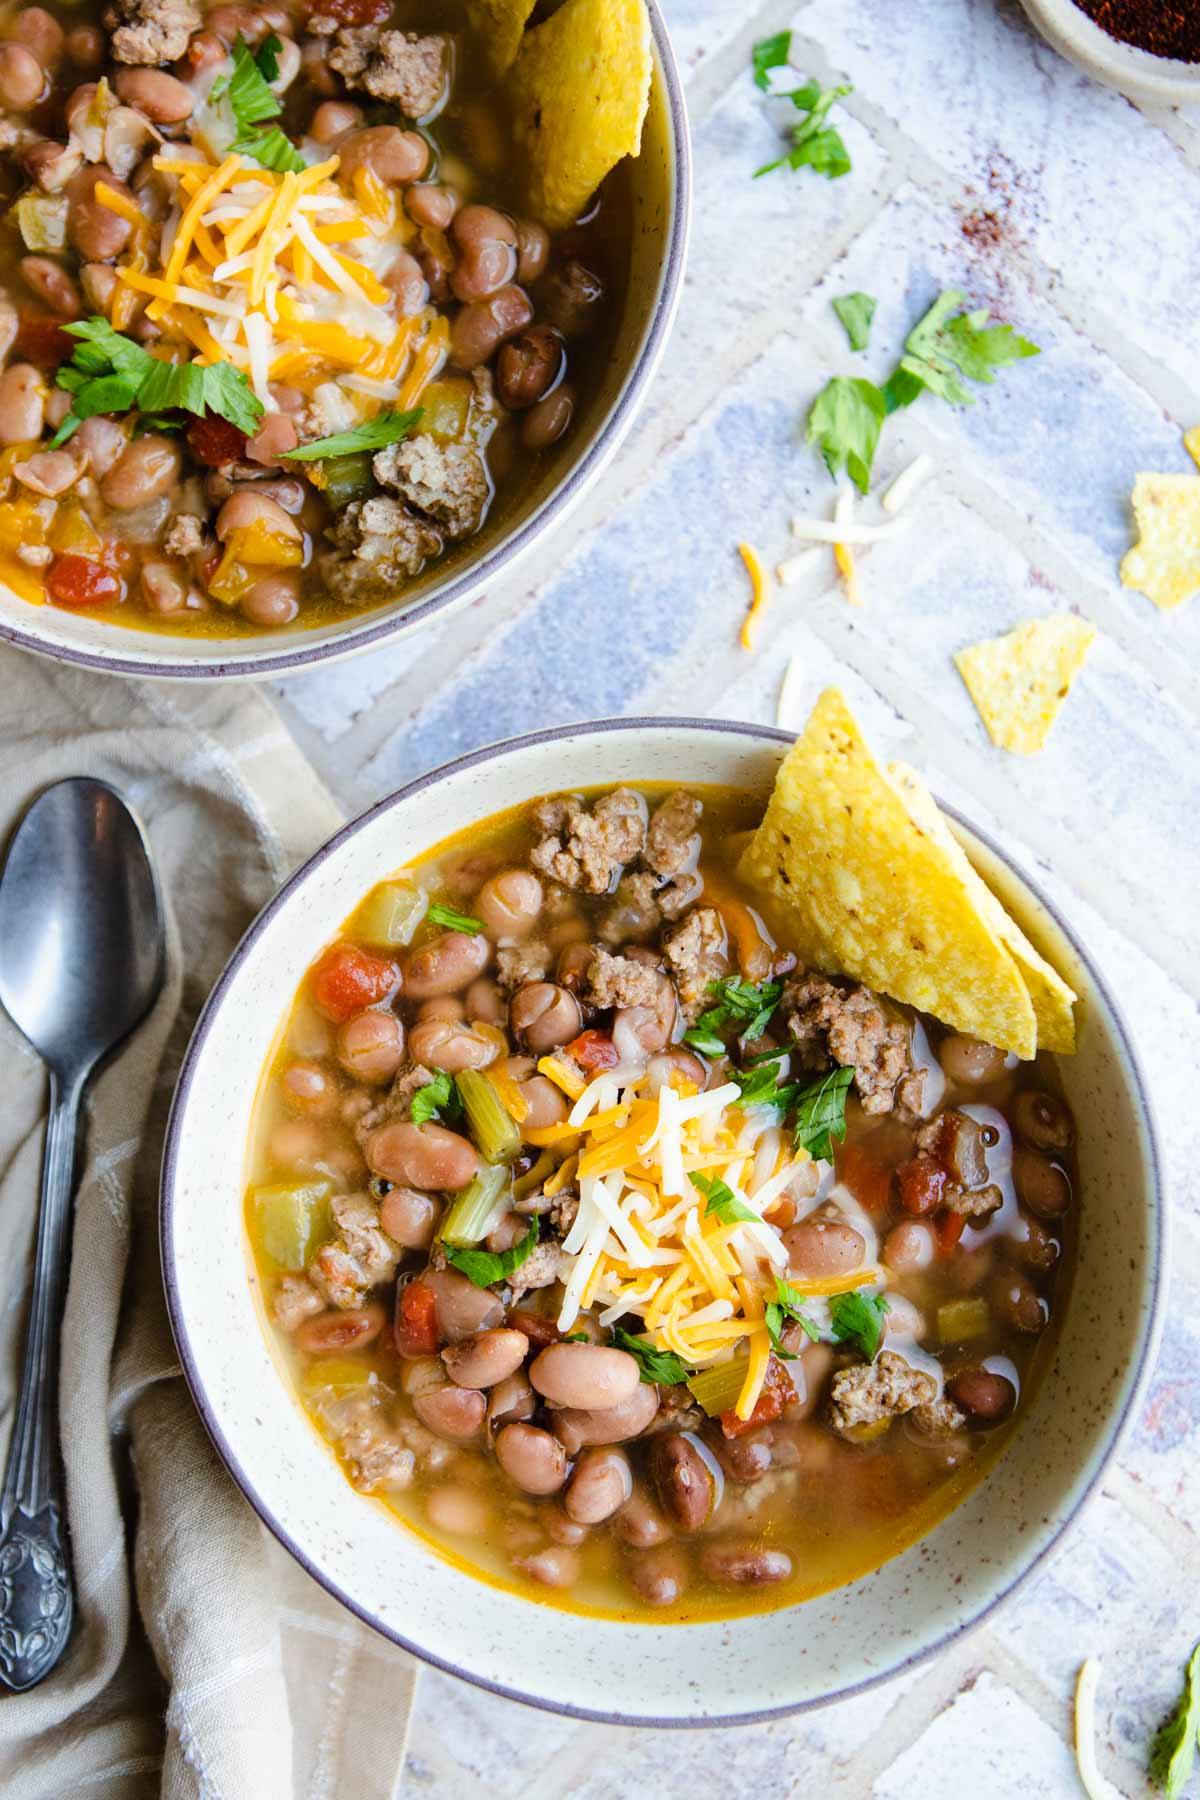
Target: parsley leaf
pixel 722 1202
pixel 577 1337
pixel 857 1318
pixel 486 1267
pixel 856 312
pixel 770 53
pixel 246 89
pixel 844 422
pixel 437 1096
pixel 787 1304
pixel 228 394
pixel 815 145
pixel 272 149
pixel 749 1001
pixel 1174 1749
pixel 821 1114
pixel 941 350
pixel 109 373
pixel 760 1084
pixel 453 921
pixel 267 57
pixel 707 1042
pixel 372 434
pixel 662 1366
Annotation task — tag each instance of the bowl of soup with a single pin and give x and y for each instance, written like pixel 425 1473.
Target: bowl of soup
pixel 540 1232
pixel 297 351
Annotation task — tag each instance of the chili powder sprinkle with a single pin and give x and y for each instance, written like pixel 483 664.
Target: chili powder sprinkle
pixel 1164 30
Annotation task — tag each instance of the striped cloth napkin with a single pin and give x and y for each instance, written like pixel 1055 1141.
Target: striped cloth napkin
pixel 204 1661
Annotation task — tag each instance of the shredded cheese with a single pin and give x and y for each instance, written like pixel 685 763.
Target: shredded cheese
pixel 907 483
pixel 1093 1783
pixel 760 594
pixel 843 555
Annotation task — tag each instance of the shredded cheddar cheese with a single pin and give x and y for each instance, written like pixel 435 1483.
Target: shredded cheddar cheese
pixel 760 594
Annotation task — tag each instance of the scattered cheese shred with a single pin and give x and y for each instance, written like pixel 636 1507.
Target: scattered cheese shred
pixel 760 591
pixel 843 555
pixel 1093 1783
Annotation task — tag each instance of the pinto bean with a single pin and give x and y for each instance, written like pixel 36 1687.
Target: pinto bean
pixel 428 203
pixel 451 1412
pixel 509 903
pixel 444 1007
pixel 557 1566
pixel 818 1247
pixel 250 506
pixel 22 78
pixel 422 1156
pixel 533 251
pixel 1042 1121
pixel 1016 1301
pixel 1044 1187
pixel 683 1480
pixel 481 327
pixel 575 1426
pixel 485 1004
pixel 969 1061
pixel 348 1330
pixel 908 1247
pixel 159 96
pixel 544 1016
pixel 50 473
pixel 371 1045
pixel 274 438
pixel 462 1308
pixel 333 119
pixel 591 1377
pixel 393 155
pixel 86 48
pixel 309 1088
pixel 272 601
pixel 446 964
pixel 640 1522
pixel 406 278
pixel 52 165
pixel 51 283
pixel 549 419
pixel 22 404
pixel 601 1483
pixel 659 1575
pixel 510 1401
pixel 486 241
pixel 743 1458
pixel 733 1564
pixel 528 366
pixel 458 1511
pixel 444 1044
pixel 1036 1247
pixel 409 1218
pixel 531 1458
pixel 489 1357
pixel 547 1105
pixel 988 1398
pixel 97 233
pixel 103 440
pixel 40 32
pixel 147 468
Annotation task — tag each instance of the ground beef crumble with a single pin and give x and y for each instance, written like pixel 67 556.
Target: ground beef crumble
pixel 449 482
pixel 518 963
pixel 846 1022
pixel 296 1299
pixel 360 1255
pixel 621 981
pixel 868 1392
pixel 184 536
pixel 589 850
pixel 937 1418
pixel 380 544
pixel 399 66
pixel 696 953
pixel 146 32
pixel 978 1203
pixel 672 840
pixel 396 1106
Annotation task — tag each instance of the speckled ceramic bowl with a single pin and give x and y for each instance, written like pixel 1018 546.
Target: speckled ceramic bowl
pixel 748 1668
pixel 661 193
pixel 1133 72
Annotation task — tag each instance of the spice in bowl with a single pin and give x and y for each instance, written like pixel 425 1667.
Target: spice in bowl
pixel 1163 30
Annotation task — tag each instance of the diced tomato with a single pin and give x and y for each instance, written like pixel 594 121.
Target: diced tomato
pixel 347 979
pixel 352 12
pixel 594 1050
pixel 539 1328
pixel 78 581
pixel 922 1185
pixel 215 441
pixel 777 1392
pixel 41 339
pixel 949 1228
pixel 416 1320
pixel 868 1180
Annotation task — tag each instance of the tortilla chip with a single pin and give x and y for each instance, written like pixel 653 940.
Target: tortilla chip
pixel 864 889
pixel 1191 441
pixel 501 24
pixel 1053 1001
pixel 580 88
pixel 1164 564
pixel 1019 681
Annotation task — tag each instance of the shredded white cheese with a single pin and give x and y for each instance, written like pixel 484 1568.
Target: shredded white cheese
pixel 907 483
pixel 1095 1785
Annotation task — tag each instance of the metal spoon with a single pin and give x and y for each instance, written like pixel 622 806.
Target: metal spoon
pixel 81 963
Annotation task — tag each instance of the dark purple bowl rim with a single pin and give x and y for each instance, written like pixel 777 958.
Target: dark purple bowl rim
pixel 473 580
pixel 1118 1430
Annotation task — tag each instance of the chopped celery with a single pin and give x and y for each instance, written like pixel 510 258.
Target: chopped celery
pixel 336 1375
pixel 42 220
pixel 959 1320
pixel 469 1213
pixel 347 478
pixel 718 1389
pixel 391 913
pixel 291 1219
pixel 492 1125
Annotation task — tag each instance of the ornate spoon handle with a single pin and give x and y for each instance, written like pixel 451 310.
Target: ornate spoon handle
pixel 36 1600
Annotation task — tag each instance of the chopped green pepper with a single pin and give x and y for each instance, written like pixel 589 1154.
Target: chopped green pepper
pixel 467 1218
pixel 291 1219
pixel 492 1125
pixel 390 913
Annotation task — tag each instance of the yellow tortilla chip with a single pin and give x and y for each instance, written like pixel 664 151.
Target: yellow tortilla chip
pixel 580 88
pixel 1019 681
pixel 1192 443
pixel 501 24
pixel 866 890
pixel 1053 1000
pixel 1164 564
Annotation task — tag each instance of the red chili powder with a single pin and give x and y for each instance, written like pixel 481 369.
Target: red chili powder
pixel 1163 29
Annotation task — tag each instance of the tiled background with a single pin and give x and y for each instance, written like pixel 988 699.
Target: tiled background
pixel 980 160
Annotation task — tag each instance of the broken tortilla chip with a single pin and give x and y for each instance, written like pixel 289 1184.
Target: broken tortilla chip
pixel 864 889
pixel 580 89
pixel 1191 440
pixel 1164 564
pixel 1019 681
pixel 500 23
pixel 1053 1000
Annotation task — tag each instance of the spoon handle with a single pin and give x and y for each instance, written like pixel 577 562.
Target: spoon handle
pixel 36 1600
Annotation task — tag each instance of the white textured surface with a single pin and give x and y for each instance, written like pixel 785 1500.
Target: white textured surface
pixel 981 160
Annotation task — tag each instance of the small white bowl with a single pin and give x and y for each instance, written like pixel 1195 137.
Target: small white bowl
pixel 605 1669
pixel 661 194
pixel 1133 72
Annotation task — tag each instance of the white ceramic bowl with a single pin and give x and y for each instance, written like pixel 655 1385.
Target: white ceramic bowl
pixel 741 1669
pixel 1134 72
pixel 661 191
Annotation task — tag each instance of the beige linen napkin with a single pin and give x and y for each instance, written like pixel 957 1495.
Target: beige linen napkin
pixel 228 1673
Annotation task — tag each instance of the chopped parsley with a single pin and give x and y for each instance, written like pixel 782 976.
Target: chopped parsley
pixel 453 921
pixel 857 1318
pixel 815 145
pixel 844 423
pixel 252 102
pixel 662 1366
pixel 787 1304
pixel 760 1083
pixel 438 1098
pixel 821 1114
pixel 1174 1750
pixel 856 312
pixel 372 434
pixel 747 1003
pixel 486 1267
pixel 770 53
pixel 577 1337
pixel 109 373
pixel 272 149
pixel 722 1202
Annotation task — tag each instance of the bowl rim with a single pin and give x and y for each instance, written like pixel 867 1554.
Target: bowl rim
pixel 1131 70
pixel 305 654
pixel 1159 1232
